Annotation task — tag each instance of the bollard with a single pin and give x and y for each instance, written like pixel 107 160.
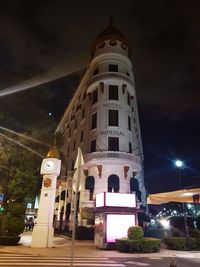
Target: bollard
pixel 173 264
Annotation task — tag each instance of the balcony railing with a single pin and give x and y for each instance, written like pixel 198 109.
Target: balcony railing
pixel 112 154
pixel 110 75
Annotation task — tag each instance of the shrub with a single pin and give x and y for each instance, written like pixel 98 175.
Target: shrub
pixel 9 240
pixel 12 226
pixel 16 209
pixel 194 233
pixel 176 232
pixel 135 232
pixel 176 243
pixel 123 244
pixel 198 222
pixel 145 245
pixel 1 221
pixel 180 243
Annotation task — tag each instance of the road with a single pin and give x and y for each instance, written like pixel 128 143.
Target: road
pixel 28 260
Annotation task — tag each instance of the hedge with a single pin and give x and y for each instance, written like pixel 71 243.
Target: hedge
pixel 142 245
pixel 9 240
pixel 180 243
pixel 123 244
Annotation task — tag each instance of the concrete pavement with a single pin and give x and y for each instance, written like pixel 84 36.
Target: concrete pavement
pixel 62 247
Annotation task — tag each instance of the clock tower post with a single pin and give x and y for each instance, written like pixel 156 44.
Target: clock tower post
pixel 43 231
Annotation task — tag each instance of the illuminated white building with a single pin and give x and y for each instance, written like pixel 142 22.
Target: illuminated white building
pixel 102 119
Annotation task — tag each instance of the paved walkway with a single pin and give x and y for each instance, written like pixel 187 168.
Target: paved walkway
pixel 62 247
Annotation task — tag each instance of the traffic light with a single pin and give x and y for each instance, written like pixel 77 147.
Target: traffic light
pixel 2 209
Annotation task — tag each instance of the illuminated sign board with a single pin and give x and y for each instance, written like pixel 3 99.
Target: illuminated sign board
pixel 117 226
pixel 115 200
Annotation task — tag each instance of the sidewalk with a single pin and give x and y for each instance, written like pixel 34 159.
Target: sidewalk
pixel 62 248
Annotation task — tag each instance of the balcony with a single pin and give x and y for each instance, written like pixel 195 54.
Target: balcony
pixel 107 76
pixel 105 155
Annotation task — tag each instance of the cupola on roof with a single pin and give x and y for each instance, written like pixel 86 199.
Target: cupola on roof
pixel 109 33
pixel 53 153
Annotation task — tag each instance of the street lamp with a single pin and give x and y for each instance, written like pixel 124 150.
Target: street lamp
pixel 180 165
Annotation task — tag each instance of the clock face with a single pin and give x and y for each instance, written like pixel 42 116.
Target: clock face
pixel 48 165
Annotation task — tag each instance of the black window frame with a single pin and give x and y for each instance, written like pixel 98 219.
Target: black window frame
pixel 113 117
pixel 81 137
pixel 94 121
pixel 130 147
pixel 113 68
pixel 129 123
pixel 113 143
pixel 95 96
pixel 93 145
pixel 95 71
pixel 113 92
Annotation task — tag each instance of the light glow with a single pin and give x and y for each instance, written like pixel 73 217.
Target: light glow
pixel 179 163
pixel 117 225
pixel 165 223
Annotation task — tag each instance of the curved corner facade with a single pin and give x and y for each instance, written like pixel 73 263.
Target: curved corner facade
pixel 102 119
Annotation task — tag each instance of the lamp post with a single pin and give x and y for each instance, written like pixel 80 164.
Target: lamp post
pixel 180 165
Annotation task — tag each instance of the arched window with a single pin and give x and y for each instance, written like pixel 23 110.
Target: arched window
pixel 62 196
pixel 57 199
pixel 113 183
pixel 68 211
pixel 89 185
pixel 134 187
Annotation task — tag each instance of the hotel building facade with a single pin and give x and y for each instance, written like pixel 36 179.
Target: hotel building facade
pixel 102 119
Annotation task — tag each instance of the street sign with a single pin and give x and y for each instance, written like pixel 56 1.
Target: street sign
pixel 1 197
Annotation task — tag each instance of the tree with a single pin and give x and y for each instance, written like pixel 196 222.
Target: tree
pixel 19 168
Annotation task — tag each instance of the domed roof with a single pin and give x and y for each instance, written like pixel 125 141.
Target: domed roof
pixel 109 33
pixel 53 153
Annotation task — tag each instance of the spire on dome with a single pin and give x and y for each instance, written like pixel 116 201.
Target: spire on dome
pixel 109 33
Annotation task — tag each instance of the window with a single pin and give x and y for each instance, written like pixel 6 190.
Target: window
pixel 130 147
pixel 72 164
pixel 70 132
pixel 74 145
pixel 113 143
pixel 75 125
pixel 94 121
pixel 128 99
pixel 95 96
pixel 129 123
pixel 62 196
pixel 83 113
pixel 113 92
pixel 68 152
pixel 81 139
pixel 113 117
pixel 93 146
pixel 113 68
pixel 84 95
pixel 89 185
pixel 96 71
pixel 113 183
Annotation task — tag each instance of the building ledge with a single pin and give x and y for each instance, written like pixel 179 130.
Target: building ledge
pixel 117 157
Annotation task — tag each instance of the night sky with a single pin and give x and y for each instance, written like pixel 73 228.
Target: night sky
pixel 41 36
